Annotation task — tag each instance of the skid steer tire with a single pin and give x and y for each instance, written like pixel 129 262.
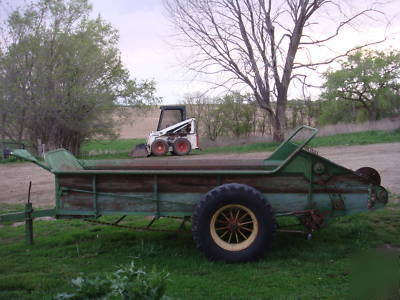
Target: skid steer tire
pixel 181 146
pixel 159 147
pixel 233 223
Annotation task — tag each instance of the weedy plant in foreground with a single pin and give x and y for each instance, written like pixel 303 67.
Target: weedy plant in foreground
pixel 128 282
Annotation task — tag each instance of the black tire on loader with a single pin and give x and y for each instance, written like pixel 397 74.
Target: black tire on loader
pixel 181 146
pixel 159 147
pixel 233 223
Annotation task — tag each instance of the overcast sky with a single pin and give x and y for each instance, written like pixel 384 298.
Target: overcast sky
pixel 146 42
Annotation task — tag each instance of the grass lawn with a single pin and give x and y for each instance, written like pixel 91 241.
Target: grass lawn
pixel 109 149
pixel 121 148
pixel 331 266
pixel 116 146
pixel 294 269
pixel 356 138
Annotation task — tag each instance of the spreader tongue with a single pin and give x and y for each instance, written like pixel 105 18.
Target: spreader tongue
pixel 139 151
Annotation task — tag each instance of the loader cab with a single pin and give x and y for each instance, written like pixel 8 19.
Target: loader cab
pixel 170 115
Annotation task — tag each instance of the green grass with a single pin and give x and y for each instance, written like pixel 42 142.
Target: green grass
pixel 117 146
pixel 113 149
pixel 294 269
pixel 10 208
pixel 355 138
pixel 120 148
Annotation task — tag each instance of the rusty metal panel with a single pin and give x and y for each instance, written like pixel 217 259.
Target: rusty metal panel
pixel 75 181
pixel 171 163
pixel 271 184
pixel 125 183
pixel 76 201
pixel 186 184
pixel 143 203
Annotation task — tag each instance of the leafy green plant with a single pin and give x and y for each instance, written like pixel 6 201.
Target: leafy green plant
pixel 128 282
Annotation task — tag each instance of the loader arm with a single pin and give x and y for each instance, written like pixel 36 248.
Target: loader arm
pixel 174 128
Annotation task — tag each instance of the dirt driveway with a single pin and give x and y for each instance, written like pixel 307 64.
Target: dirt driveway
pixel 14 178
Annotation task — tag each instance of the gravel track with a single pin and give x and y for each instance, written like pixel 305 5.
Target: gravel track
pixel 15 177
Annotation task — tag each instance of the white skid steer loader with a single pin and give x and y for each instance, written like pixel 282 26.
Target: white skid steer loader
pixel 174 134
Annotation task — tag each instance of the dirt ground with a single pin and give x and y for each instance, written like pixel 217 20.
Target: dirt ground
pixel 14 178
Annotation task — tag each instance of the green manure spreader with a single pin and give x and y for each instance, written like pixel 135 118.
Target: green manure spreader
pixel 232 204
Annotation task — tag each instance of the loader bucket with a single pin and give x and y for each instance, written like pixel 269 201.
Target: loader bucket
pixel 139 151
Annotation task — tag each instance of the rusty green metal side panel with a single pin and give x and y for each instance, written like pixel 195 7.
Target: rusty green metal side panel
pixel 21 216
pixel 292 179
pixel 165 195
pixel 24 154
pixel 61 159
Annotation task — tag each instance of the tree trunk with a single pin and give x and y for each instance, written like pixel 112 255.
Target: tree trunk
pixel 278 120
pixel 3 134
pixel 21 128
pixel 373 112
pixel 3 127
pixel 276 126
pixel 278 134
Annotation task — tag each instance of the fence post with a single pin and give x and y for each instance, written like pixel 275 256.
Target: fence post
pixel 39 146
pixel 28 218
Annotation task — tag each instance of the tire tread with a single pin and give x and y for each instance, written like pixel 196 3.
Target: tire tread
pixel 218 191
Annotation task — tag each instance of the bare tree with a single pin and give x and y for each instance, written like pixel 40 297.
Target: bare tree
pixel 254 43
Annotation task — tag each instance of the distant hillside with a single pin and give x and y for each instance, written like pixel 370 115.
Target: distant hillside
pixel 139 123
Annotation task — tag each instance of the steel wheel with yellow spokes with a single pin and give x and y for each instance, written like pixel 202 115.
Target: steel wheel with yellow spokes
pixel 234 227
pixel 233 223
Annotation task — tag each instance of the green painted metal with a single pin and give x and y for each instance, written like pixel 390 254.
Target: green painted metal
pixel 310 173
pixel 21 216
pixel 288 149
pixel 292 179
pixel 95 197
pixel 58 192
pixel 61 159
pixel 149 197
pixel 156 196
pixel 73 214
pixel 28 223
pixel 24 154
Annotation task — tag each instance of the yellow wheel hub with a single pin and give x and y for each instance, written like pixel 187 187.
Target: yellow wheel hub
pixel 234 227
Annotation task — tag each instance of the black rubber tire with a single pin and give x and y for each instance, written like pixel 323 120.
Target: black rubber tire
pixel 159 147
pixel 225 195
pixel 369 174
pixel 178 149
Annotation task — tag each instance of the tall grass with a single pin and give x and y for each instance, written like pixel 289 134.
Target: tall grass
pixel 389 124
pixel 356 138
pixel 386 125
